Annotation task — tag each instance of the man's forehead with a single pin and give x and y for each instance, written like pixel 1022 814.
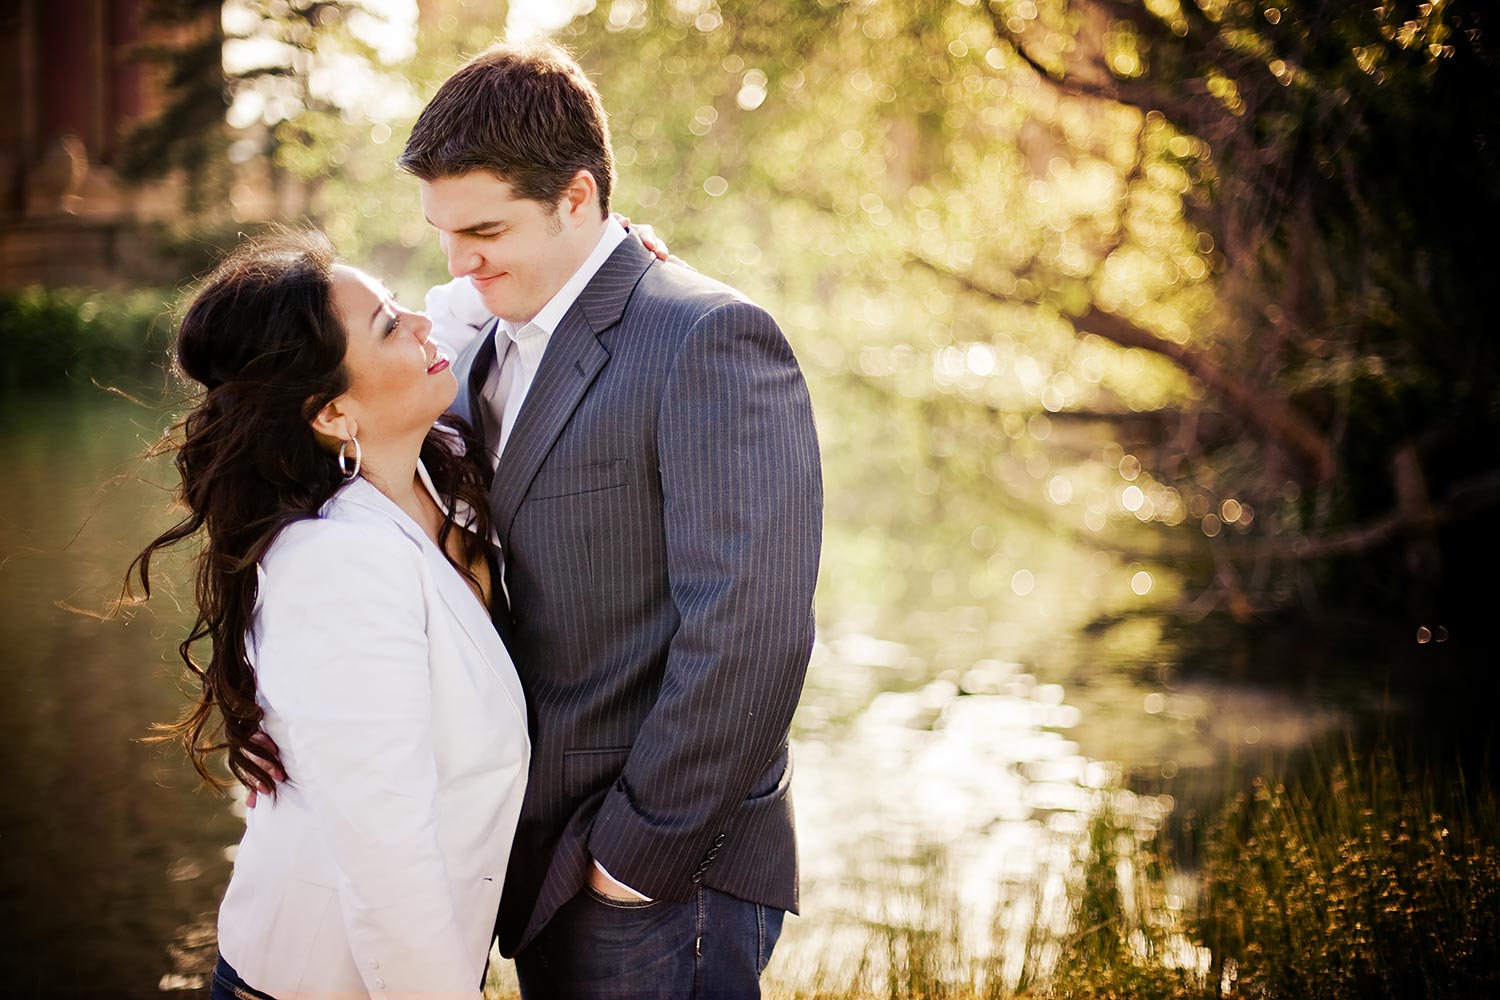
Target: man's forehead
pixel 479 189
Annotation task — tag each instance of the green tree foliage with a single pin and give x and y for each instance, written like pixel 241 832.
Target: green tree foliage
pixel 292 41
pixel 62 336
pixel 1350 280
pixel 188 134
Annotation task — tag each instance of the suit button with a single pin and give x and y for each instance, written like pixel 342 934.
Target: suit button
pixel 378 983
pixel 371 964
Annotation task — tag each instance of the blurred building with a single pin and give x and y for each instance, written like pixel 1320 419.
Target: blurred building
pixel 70 85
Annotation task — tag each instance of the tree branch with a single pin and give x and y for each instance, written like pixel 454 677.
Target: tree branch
pixel 1275 417
pixel 1470 497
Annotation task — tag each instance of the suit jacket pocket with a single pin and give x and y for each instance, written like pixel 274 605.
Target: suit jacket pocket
pixel 587 770
pixel 571 480
pixel 773 782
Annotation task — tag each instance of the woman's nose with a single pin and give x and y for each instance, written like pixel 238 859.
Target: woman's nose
pixel 422 327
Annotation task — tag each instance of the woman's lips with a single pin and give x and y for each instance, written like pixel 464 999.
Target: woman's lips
pixel 439 364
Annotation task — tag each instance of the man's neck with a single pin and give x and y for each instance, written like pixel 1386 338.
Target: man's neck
pixel 583 245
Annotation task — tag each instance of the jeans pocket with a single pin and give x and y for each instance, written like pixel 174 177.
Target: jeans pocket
pixel 619 904
pixel 768 921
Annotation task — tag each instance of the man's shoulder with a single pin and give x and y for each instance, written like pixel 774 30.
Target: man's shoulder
pixel 680 295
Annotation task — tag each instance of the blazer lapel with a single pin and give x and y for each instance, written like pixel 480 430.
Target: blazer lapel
pixel 461 601
pixel 573 359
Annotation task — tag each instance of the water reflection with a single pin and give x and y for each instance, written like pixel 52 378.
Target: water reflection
pixel 98 830
pixel 970 790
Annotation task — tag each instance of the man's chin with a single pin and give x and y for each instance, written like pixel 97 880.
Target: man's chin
pixel 502 306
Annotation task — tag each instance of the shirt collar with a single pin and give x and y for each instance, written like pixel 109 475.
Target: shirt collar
pixel 557 307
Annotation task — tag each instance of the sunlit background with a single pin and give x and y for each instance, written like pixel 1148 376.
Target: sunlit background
pixel 1153 372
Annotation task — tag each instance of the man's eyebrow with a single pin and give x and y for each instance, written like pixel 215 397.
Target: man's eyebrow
pixel 476 227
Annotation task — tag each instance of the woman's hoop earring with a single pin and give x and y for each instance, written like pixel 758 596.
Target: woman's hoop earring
pixel 344 458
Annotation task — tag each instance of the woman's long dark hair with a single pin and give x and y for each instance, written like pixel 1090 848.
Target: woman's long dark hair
pixel 264 340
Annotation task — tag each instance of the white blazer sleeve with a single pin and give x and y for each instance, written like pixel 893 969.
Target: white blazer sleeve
pixel 343 659
pixel 457 313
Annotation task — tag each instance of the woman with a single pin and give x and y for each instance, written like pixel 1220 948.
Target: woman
pixel 344 583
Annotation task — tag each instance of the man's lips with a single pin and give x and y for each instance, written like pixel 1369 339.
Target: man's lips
pixel 483 283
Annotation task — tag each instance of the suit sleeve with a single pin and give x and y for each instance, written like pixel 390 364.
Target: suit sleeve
pixel 343 659
pixel 743 495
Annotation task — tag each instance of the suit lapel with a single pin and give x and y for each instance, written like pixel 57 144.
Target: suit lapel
pixel 572 361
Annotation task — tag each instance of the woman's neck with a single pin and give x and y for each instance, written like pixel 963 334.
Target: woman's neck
pixel 393 471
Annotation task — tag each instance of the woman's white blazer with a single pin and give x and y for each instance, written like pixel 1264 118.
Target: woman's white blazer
pixel 377 868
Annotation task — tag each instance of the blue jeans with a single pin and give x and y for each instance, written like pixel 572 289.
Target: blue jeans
pixel 227 985
pixel 713 947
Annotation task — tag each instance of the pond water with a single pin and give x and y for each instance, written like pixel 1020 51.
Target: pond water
pixel 974 695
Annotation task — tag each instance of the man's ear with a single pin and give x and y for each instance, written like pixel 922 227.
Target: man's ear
pixel 334 423
pixel 580 199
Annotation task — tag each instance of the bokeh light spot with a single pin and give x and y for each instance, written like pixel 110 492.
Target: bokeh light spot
pixel 1022 582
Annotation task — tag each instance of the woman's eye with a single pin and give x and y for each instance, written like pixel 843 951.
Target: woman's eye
pixel 395 325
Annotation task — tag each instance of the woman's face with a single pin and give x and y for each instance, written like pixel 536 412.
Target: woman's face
pixel 399 383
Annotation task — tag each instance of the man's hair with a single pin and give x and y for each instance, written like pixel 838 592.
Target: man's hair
pixel 527 114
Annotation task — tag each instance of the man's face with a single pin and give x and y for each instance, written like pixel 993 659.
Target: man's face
pixel 516 252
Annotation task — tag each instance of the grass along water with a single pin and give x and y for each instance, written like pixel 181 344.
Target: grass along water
pixel 1363 881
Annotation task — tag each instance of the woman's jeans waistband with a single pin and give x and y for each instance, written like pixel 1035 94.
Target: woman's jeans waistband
pixel 227 985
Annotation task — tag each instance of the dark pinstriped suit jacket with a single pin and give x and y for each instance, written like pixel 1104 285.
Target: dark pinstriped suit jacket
pixel 659 506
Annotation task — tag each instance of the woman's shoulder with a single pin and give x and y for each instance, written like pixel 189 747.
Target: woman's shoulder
pixel 340 543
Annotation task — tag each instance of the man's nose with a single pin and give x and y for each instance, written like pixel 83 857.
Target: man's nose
pixel 461 260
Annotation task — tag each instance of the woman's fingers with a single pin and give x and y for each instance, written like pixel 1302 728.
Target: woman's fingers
pixel 647 236
pixel 253 787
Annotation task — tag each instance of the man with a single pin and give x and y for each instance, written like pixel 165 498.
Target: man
pixel 657 497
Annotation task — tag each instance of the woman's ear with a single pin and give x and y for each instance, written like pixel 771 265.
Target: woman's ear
pixel 333 423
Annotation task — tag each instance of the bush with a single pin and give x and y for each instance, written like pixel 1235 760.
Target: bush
pixel 1367 884
pixel 53 337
